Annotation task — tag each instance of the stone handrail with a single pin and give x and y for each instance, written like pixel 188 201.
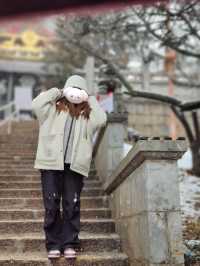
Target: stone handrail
pixel 99 139
pixel 109 142
pixel 143 191
pixel 149 149
pixel 112 117
pixel 8 119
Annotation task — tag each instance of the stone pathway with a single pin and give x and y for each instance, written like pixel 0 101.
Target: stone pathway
pixel 22 239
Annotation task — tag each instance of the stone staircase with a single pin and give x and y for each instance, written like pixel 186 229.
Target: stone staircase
pixel 22 240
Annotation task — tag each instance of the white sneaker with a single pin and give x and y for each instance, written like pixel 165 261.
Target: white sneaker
pixel 54 253
pixel 70 253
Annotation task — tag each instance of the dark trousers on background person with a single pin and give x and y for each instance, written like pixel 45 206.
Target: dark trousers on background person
pixel 61 231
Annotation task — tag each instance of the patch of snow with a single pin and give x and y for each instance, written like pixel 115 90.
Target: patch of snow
pixel 126 149
pixel 189 194
pixel 186 161
pixel 189 187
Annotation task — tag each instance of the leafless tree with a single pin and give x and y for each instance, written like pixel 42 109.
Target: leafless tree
pixel 114 39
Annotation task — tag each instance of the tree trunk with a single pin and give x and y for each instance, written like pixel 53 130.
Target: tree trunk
pixel 195 149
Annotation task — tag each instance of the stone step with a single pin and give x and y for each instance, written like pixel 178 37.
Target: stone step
pixel 9 182
pixel 17 159
pixel 21 128
pixel 7 177
pixel 18 150
pixel 28 129
pixel 10 158
pixel 22 240
pixel 19 138
pixel 13 151
pixel 32 226
pixel 37 203
pixel 24 123
pixel 18 147
pixel 8 146
pixel 23 159
pixel 28 242
pixel 33 177
pixel 23 132
pixel 26 171
pixel 24 129
pixel 17 214
pixel 4 177
pixel 16 165
pixel 19 171
pixel 16 125
pixel 83 259
pixel 35 193
pixel 21 164
pixel 22 154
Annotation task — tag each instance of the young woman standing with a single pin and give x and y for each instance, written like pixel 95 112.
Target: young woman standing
pixel 68 119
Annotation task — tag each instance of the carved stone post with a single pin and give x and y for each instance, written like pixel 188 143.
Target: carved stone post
pixel 145 203
pixel 110 151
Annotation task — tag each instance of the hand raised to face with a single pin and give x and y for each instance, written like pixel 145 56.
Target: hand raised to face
pixel 75 95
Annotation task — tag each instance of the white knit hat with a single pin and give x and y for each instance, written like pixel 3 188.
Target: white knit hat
pixel 76 81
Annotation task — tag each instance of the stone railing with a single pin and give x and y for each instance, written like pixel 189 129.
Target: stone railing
pixel 109 143
pixel 10 113
pixel 143 194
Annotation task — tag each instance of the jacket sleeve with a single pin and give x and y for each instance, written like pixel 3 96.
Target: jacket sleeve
pixel 42 102
pixel 98 116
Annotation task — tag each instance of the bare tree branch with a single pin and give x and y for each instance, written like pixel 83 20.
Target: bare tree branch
pixel 113 38
pixel 185 84
pixel 154 96
pixel 166 40
pixel 189 106
pixel 196 125
pixel 182 118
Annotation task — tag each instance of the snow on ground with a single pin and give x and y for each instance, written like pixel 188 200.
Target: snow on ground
pixel 190 195
pixel 127 148
pixel 186 161
pixel 189 188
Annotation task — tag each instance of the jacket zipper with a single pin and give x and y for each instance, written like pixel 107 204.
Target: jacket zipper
pixel 86 129
pixel 68 137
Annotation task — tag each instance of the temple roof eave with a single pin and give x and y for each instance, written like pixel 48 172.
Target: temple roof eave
pixel 27 67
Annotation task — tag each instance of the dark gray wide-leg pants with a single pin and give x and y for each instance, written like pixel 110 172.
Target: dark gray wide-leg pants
pixel 61 231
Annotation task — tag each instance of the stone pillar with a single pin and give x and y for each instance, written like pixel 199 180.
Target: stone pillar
pixel 89 69
pixel 145 203
pixel 9 94
pixel 110 151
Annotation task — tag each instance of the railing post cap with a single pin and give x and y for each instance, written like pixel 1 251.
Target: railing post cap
pixel 118 117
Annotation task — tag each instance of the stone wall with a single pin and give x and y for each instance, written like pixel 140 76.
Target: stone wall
pixel 144 194
pixel 145 202
pixel 3 129
pixel 152 118
pixel 111 145
pixel 147 215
